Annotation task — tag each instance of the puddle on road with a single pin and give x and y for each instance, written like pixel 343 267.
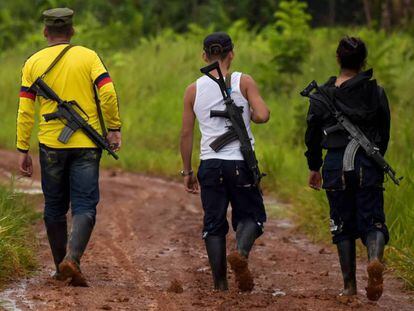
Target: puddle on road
pixel 9 297
pixel 8 305
pixel 20 184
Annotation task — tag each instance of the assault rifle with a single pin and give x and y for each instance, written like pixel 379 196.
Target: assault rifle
pixel 237 130
pixel 70 117
pixel 356 136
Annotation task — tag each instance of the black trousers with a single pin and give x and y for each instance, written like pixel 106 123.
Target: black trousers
pixel 355 198
pixel 223 182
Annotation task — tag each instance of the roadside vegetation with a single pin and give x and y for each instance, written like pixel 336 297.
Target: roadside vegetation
pixel 283 57
pixel 17 242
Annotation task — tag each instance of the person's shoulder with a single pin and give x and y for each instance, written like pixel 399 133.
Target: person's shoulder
pixel 246 79
pixel 190 93
pixel 191 88
pixel 34 56
pixel 330 82
pixel 85 51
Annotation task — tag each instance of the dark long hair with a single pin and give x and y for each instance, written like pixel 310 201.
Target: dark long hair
pixel 352 53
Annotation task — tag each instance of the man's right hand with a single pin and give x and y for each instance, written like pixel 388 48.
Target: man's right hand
pixel 114 139
pixel 25 164
pixel 191 184
pixel 315 180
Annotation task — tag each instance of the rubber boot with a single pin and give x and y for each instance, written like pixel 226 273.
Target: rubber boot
pixel 57 234
pixel 375 243
pixel 347 259
pixel 82 226
pixel 247 232
pixel 216 251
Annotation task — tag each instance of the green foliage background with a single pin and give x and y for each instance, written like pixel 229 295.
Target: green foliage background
pixel 152 62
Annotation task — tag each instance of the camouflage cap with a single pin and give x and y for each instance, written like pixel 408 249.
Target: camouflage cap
pixel 58 17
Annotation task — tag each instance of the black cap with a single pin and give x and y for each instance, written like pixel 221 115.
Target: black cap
pixel 218 43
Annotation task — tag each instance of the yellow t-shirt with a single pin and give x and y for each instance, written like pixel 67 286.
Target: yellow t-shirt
pixel 72 78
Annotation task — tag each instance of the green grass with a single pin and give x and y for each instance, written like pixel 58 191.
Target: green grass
pixel 17 242
pixel 151 80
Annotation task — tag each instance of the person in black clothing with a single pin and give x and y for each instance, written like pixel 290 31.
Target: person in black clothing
pixel 356 197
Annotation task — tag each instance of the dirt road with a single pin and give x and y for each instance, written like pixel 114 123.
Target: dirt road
pixel 148 234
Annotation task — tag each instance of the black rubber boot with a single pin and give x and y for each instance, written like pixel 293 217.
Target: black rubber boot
pixel 347 259
pixel 375 244
pixel 57 234
pixel 216 251
pixel 247 232
pixel 82 226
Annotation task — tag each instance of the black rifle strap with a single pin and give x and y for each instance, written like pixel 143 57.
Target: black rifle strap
pixel 56 60
pixel 99 110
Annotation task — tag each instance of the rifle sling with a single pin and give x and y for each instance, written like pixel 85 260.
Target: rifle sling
pixel 56 60
pixel 98 104
pixel 99 110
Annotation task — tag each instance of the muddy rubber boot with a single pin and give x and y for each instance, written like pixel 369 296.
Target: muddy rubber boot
pixel 82 226
pixel 375 243
pixel 347 259
pixel 57 234
pixel 247 232
pixel 216 251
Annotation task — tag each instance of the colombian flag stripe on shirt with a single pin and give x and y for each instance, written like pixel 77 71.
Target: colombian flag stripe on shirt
pixel 102 80
pixel 25 92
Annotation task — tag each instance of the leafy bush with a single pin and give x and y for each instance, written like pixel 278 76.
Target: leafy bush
pixel 290 43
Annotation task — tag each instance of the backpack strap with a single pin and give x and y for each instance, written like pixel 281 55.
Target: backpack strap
pixel 56 60
pixel 228 82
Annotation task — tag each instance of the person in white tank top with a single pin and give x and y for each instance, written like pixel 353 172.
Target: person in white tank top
pixel 223 176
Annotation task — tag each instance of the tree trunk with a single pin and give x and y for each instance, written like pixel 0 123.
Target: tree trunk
pixel 367 9
pixel 386 15
pixel 332 12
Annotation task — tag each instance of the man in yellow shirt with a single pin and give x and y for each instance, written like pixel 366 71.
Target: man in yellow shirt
pixel 70 171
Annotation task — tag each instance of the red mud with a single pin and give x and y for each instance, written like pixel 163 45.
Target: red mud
pixel 148 234
pixel 175 287
pixel 375 280
pixel 242 274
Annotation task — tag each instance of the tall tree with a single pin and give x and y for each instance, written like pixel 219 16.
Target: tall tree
pixel 332 12
pixel 367 10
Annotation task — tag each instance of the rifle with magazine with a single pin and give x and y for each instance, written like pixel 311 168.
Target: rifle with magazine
pixel 237 130
pixel 67 113
pixel 356 136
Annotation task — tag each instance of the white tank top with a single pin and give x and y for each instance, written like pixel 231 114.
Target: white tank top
pixel 208 97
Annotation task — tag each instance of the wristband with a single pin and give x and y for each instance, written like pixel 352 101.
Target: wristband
pixel 184 173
